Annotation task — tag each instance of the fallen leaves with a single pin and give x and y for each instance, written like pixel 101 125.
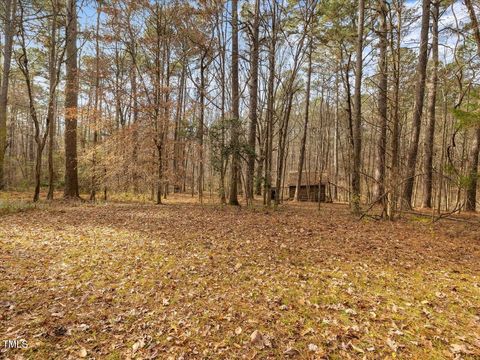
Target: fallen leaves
pixel 138 345
pixel 184 281
pixel 392 345
pixel 460 349
pixel 82 352
pixel 256 338
pixel 291 351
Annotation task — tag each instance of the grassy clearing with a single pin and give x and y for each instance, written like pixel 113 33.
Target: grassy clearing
pixel 130 280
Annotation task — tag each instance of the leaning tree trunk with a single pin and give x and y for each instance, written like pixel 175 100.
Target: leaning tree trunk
pixel 475 149
pixel 40 140
pixel 71 104
pixel 418 108
pixel 432 97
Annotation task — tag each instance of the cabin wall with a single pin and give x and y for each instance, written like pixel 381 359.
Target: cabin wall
pixel 307 193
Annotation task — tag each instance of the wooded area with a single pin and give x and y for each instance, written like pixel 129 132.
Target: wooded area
pixel 232 114
pixel 157 97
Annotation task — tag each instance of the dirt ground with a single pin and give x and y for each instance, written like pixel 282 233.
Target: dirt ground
pixel 184 281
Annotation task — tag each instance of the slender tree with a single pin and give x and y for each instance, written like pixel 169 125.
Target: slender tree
pixel 421 74
pixel 396 50
pixel 267 193
pixel 71 103
pixel 252 135
pixel 471 203
pixel 357 123
pixel 431 104
pixel 382 102
pixel 54 66
pixel 301 159
pixel 24 65
pixel 235 127
pixel 96 108
pixel 10 11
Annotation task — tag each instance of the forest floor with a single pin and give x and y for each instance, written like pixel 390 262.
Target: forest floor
pixel 184 281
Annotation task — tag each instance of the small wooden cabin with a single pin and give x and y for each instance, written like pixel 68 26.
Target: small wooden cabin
pixel 308 192
pixel 312 188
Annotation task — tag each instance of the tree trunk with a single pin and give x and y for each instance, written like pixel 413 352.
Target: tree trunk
pixel 305 125
pixel 71 104
pixel 475 149
pixel 235 133
pixel 52 71
pixel 200 127
pixel 40 140
pixel 252 135
pixel 421 74
pixel 267 193
pixel 178 122
pixel 357 124
pixel 395 143
pixel 432 97
pixel 133 82
pixel 335 137
pixel 382 104
pixel 10 10
pixel 96 109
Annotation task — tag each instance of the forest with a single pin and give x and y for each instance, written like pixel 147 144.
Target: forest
pixel 219 179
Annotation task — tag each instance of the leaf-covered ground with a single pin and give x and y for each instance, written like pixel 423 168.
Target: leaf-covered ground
pixel 185 281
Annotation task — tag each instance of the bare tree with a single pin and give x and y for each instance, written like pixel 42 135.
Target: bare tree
pixel 421 74
pixel 71 104
pixel 301 159
pixel 235 131
pixel 475 147
pixel 252 135
pixel 10 10
pixel 54 64
pixel 382 102
pixel 431 104
pixel 267 192
pixel 357 123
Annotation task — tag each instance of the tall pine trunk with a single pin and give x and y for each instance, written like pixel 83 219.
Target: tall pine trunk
pixel 357 121
pixel 267 193
pixel 382 104
pixel 96 109
pixel 392 197
pixel 235 126
pixel 431 103
pixel 71 104
pixel 475 148
pixel 200 126
pixel 421 74
pixel 52 71
pixel 252 135
pixel 10 10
